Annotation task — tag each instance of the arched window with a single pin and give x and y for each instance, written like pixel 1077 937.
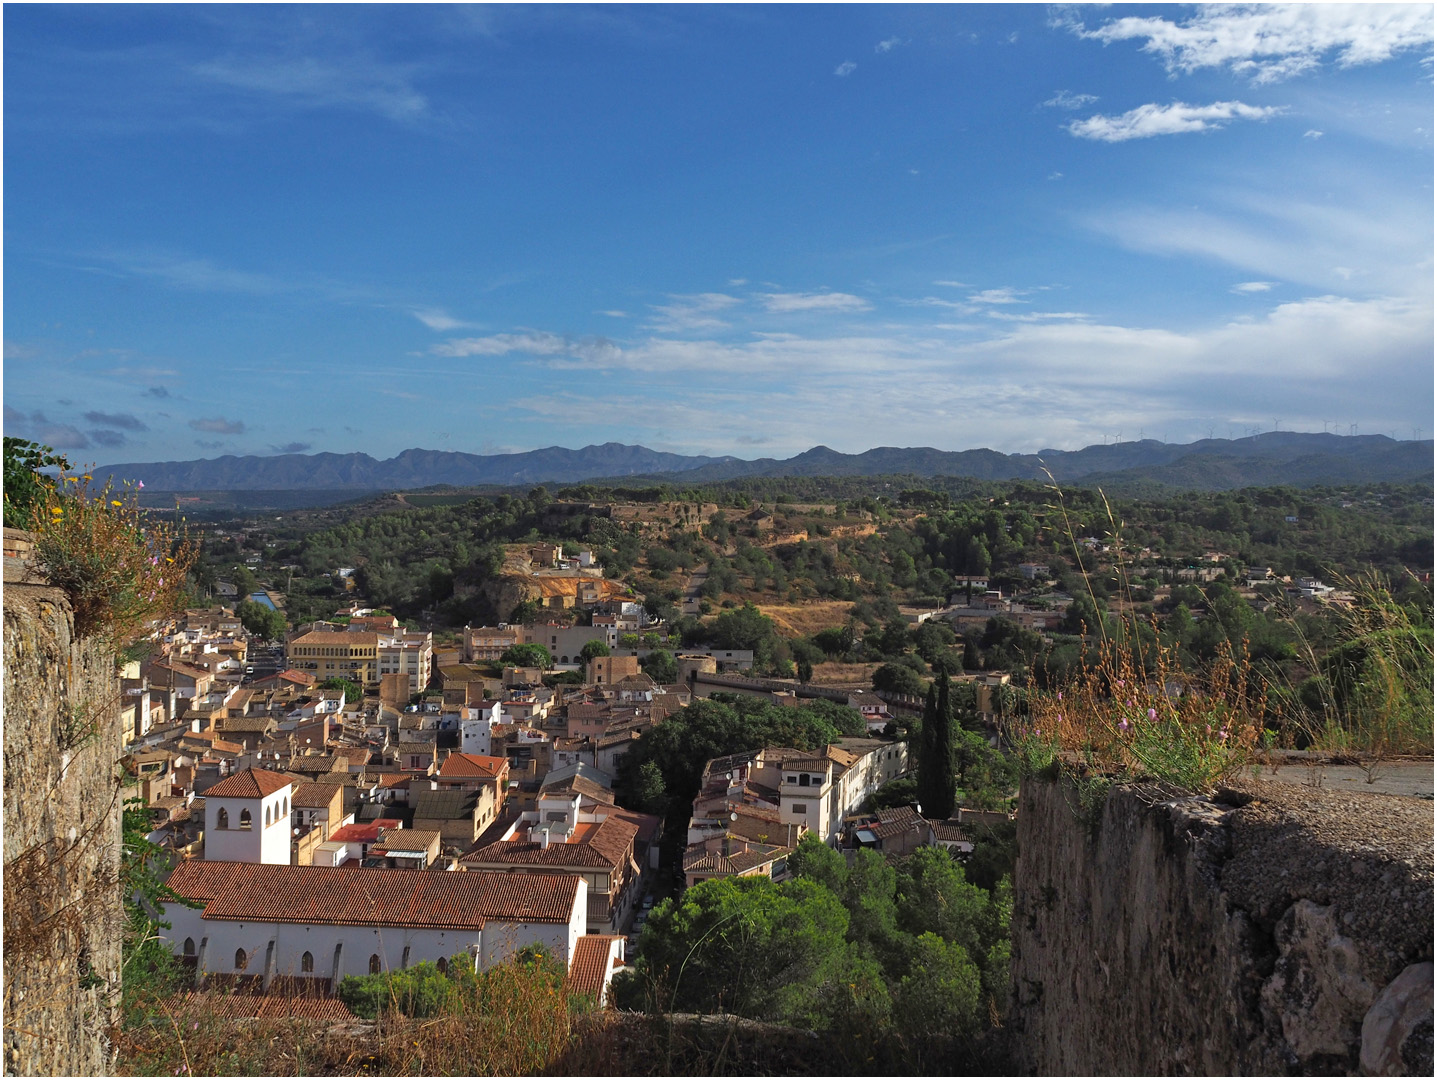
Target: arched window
pixel 222 819
pixel 246 821
pixel 443 965
pixel 563 659
pixel 286 804
pixel 268 816
pixel 306 962
pixel 189 946
pixel 374 963
pixel 240 960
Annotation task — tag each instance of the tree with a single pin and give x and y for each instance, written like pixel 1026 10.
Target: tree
pixel 530 654
pixel 805 670
pixel 941 991
pixel 25 484
pixel 898 679
pixel 353 692
pixel 742 945
pixel 261 621
pixel 592 649
pixel 660 666
pixel 936 780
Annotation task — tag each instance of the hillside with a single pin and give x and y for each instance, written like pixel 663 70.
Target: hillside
pixel 1279 457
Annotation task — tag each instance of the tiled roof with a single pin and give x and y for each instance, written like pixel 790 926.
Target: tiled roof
pixel 263 1006
pixel 589 970
pixel 394 841
pixel 328 637
pixel 246 723
pixel 249 784
pixel 949 831
pixel 699 860
pixel 313 796
pixel 607 847
pixel 365 896
pixel 443 805
pixel 896 821
pixel 457 765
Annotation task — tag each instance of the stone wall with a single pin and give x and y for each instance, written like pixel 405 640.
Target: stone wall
pixel 1276 929
pixel 63 917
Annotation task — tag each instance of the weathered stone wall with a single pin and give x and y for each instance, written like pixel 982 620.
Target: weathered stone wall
pixel 63 916
pixel 1276 929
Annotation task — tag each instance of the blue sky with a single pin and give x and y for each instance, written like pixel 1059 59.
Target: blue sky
pixel 745 229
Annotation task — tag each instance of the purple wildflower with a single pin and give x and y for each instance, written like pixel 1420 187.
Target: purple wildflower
pixel 139 483
pixel 1123 724
pixel 1222 735
pixel 1152 714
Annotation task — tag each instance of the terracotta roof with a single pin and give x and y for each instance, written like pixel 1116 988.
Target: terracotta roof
pixel 263 1006
pixel 606 846
pixel 589 970
pixel 698 859
pixel 949 831
pixel 401 840
pixel 314 796
pixel 456 765
pixel 366 896
pixel 249 784
pixel 343 637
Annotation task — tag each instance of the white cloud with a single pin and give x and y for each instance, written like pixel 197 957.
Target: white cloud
pixel 1312 133
pixel 1270 42
pixel 1253 286
pixel 954 284
pixel 692 312
pixel 1065 99
pixel 833 301
pixel 887 45
pixel 309 83
pixel 438 320
pixel 1055 176
pixel 1036 316
pixel 1006 295
pixel 532 343
pixel 614 314
pixel 843 70
pixel 1179 118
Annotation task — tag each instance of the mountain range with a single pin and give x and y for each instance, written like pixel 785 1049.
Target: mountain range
pixel 1277 457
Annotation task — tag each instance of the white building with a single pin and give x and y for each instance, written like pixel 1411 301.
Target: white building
pixel 327 922
pixel 247 818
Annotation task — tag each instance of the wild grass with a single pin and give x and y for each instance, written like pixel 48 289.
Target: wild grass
pixel 119 566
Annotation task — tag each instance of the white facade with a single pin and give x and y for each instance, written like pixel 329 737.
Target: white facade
pixel 248 830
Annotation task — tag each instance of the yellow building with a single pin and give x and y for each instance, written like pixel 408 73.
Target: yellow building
pixel 336 654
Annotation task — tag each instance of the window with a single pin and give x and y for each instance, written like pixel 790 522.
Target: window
pixel 374 963
pixel 241 960
pixel 306 962
pixel 800 808
pixel 222 819
pixel 268 816
pixel 803 780
pixel 443 965
pixel 189 946
pixel 245 820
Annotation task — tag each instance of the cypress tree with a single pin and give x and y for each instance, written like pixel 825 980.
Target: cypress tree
pixel 945 780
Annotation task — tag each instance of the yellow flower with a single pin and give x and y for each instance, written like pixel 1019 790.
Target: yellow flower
pixel 116 502
pixel 56 511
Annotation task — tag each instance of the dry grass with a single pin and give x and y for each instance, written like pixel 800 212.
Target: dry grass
pixel 808 617
pixel 832 673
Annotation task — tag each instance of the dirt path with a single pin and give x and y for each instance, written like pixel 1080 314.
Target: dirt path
pixel 690 605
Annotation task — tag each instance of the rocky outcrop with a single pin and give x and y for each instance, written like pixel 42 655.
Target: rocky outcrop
pixel 1275 929
pixel 63 915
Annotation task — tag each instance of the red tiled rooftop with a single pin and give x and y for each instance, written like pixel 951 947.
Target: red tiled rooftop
pixel 365 896
pixel 467 765
pixel 366 833
pixel 590 967
pixel 248 784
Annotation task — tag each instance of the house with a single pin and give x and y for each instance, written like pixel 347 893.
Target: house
pixel 560 837
pixel 610 669
pixel 317 810
pixel 459 816
pixel 726 856
pixel 874 709
pixel 322 923
pixel 247 818
pixel 349 845
pixel 336 654
pixel 596 959
pixel 405 849
pixel 488 643
pixel 544 555
pixel 894 831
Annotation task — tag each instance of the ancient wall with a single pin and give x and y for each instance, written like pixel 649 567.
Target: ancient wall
pixel 63 917
pixel 1277 929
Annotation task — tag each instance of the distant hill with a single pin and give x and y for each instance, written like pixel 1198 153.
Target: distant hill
pixel 1278 457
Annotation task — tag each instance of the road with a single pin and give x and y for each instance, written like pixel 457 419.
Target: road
pixel 690 605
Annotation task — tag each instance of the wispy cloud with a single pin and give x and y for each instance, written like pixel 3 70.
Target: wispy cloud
pixel 219 426
pixel 1036 316
pixel 1253 286
pixel 438 320
pixel 887 45
pixel 1006 295
pixel 290 448
pixel 1066 99
pixel 307 82
pixel 127 421
pixel 1179 118
pixel 41 429
pixel 826 301
pixel 693 312
pixel 155 392
pixel 613 314
pixel 845 69
pixel 1270 42
pixel 111 439
pixel 1312 133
